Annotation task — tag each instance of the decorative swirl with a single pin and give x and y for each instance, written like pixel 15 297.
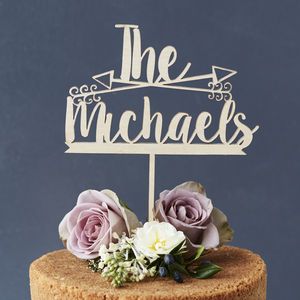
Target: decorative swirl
pixel 220 91
pixel 84 89
pixel 227 86
pixel 215 86
pixel 73 91
pixel 96 97
pixel 227 96
pixel 211 96
pixel 218 86
pixel 219 96
pixel 85 93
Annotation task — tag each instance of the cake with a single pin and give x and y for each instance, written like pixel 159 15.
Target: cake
pixel 61 276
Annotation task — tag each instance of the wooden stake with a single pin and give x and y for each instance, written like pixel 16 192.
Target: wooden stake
pixel 151 186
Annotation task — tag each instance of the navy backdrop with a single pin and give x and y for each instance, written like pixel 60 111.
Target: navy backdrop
pixel 48 46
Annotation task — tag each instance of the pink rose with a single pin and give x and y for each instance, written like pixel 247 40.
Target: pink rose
pixel 93 220
pixel 188 209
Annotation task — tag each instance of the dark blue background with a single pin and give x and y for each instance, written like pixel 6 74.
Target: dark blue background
pixel 48 46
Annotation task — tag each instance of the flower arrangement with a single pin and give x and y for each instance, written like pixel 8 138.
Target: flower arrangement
pixel 104 231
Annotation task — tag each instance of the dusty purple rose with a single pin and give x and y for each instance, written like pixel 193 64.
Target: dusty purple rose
pixel 188 209
pixel 92 222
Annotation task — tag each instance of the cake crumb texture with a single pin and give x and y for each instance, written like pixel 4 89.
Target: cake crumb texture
pixel 61 276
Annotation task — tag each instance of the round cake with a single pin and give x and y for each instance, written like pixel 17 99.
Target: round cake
pixel 60 275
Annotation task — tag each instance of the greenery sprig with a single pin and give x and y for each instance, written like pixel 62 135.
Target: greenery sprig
pixel 122 263
pixel 175 264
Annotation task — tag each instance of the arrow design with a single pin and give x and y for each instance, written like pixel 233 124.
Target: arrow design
pixel 217 89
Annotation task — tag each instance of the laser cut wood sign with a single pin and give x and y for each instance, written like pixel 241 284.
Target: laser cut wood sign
pixel 86 108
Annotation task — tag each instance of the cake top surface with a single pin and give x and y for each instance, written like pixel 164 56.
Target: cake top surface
pixel 242 271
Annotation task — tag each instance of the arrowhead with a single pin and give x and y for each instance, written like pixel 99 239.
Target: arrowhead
pixel 105 78
pixel 221 74
pixel 68 144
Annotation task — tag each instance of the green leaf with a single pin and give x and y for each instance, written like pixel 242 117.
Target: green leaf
pixel 156 262
pixel 180 268
pixel 192 186
pixel 124 204
pixel 221 222
pixel 179 258
pixel 198 253
pixel 206 271
pixel 178 249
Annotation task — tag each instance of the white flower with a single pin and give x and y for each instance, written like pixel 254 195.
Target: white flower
pixel 155 239
pixel 102 250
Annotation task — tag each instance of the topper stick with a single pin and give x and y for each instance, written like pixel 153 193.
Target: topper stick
pixel 151 186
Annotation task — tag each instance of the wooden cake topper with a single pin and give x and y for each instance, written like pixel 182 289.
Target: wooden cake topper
pixel 179 138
